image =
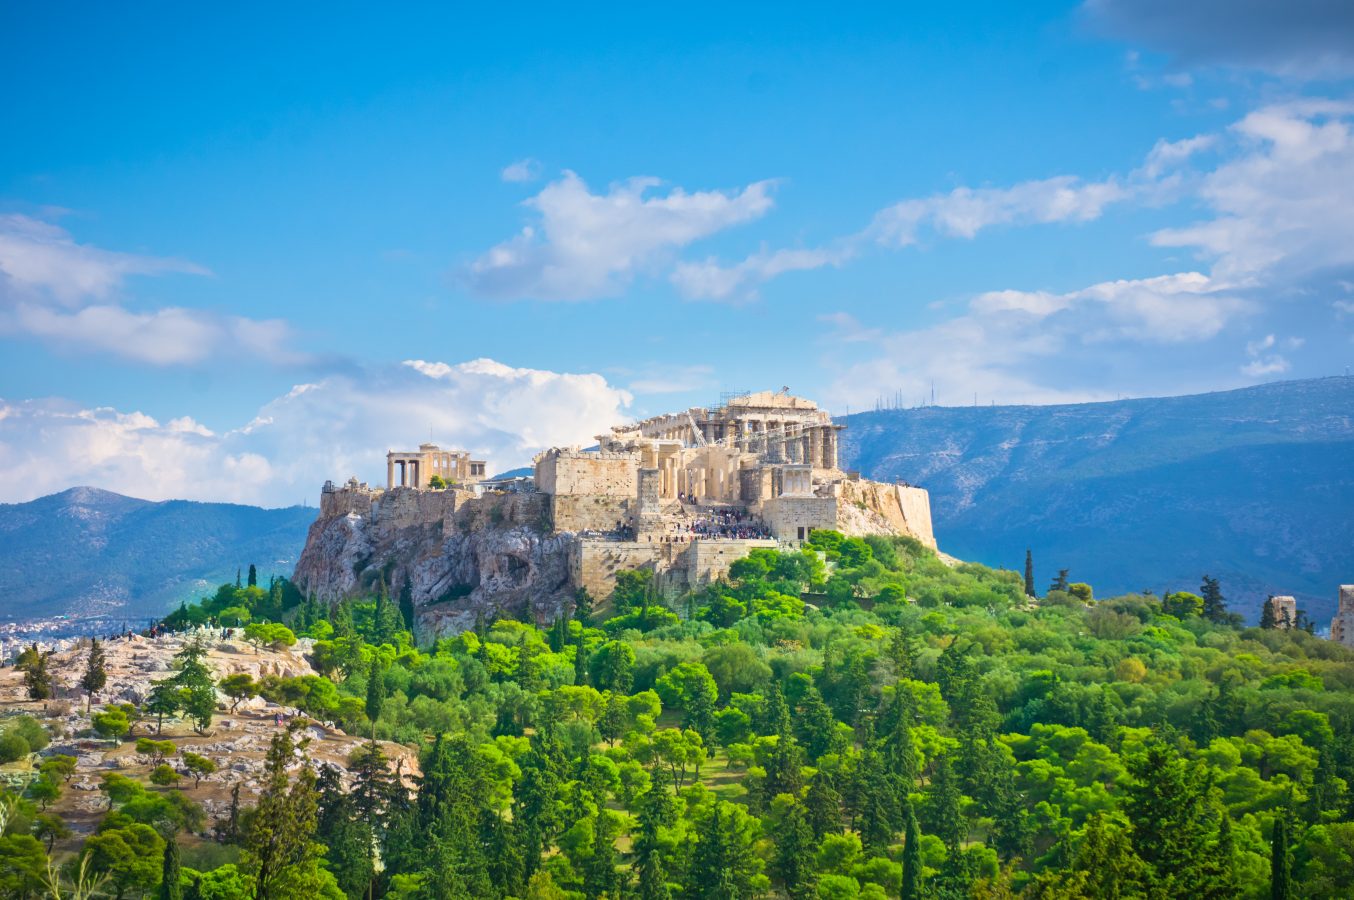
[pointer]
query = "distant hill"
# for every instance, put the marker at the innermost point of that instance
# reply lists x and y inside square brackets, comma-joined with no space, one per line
[86,551]
[1252,486]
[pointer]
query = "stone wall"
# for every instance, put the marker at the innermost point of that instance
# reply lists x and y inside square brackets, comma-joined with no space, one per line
[605,473]
[791,518]
[679,566]
[574,512]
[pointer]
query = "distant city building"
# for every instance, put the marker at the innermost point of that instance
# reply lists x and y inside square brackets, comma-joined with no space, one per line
[1342,626]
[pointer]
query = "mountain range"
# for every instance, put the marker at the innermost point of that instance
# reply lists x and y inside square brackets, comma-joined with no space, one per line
[87,551]
[1253,486]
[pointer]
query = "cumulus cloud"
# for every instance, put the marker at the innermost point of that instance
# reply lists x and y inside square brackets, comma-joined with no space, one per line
[334,428]
[1285,204]
[60,291]
[1298,38]
[588,245]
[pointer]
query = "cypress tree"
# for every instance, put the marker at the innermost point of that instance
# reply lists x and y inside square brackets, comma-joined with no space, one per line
[1029,573]
[170,888]
[95,676]
[253,576]
[1280,864]
[237,578]
[376,692]
[912,874]
[407,604]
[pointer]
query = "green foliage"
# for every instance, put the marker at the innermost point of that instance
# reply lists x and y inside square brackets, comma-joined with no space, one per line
[914,729]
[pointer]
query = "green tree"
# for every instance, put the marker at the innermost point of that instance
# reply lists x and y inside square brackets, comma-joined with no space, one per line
[1215,605]
[1029,573]
[131,856]
[111,723]
[199,766]
[912,864]
[612,667]
[95,675]
[33,662]
[1280,861]
[239,686]
[164,700]
[196,685]
[279,853]
[253,576]
[1269,617]
[653,810]
[793,863]
[600,878]
[376,691]
[170,886]
[22,866]
[1059,583]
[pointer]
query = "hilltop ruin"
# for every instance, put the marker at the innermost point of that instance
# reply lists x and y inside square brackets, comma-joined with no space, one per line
[683,494]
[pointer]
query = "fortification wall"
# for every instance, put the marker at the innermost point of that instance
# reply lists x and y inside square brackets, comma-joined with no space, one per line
[679,566]
[709,561]
[346,501]
[573,512]
[791,518]
[604,473]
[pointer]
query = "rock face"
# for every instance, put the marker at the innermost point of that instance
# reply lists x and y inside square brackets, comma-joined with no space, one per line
[458,556]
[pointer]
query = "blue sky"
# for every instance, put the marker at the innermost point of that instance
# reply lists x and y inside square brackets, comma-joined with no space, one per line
[242,253]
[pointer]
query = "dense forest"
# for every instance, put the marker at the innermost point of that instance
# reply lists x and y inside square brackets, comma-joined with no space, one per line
[857,719]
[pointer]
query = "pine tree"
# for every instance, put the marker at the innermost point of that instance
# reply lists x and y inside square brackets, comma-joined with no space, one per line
[599,873]
[912,867]
[95,676]
[876,803]
[195,685]
[1215,605]
[943,806]
[253,576]
[1269,617]
[653,810]
[1029,573]
[1059,583]
[170,886]
[1280,862]
[793,864]
[376,691]
[280,845]
[37,677]
[823,806]
[1168,804]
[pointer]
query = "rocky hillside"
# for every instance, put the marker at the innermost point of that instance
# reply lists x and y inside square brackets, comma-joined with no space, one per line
[237,740]
[86,551]
[486,556]
[1253,486]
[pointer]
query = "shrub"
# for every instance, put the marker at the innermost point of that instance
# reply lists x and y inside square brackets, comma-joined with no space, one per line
[164,775]
[12,747]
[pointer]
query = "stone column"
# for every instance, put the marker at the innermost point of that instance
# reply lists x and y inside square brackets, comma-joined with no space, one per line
[831,449]
[390,473]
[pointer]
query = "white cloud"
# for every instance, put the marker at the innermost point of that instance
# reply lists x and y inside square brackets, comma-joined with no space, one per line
[995,348]
[590,245]
[966,211]
[60,291]
[39,258]
[711,280]
[340,426]
[1284,207]
[521,171]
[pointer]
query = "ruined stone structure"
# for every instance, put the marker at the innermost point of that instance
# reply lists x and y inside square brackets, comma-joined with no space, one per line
[1285,611]
[684,495]
[1342,626]
[417,467]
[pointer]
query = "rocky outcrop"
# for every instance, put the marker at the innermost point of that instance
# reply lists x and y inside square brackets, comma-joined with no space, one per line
[463,558]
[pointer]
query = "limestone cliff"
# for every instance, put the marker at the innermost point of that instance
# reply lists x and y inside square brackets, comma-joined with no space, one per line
[459,555]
